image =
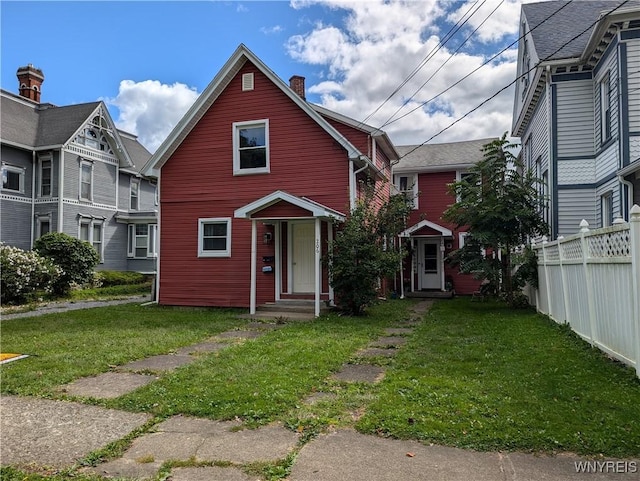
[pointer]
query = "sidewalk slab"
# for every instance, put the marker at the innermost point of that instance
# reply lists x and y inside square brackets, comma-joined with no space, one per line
[161,363]
[395,341]
[359,373]
[212,473]
[202,347]
[398,331]
[240,334]
[108,385]
[58,433]
[377,352]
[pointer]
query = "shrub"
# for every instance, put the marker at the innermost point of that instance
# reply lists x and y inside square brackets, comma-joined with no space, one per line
[121,278]
[24,273]
[76,258]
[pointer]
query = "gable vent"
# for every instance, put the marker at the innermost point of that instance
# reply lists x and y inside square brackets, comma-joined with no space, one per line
[247,81]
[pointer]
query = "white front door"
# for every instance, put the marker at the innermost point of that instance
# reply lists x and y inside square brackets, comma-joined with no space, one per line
[430,264]
[302,257]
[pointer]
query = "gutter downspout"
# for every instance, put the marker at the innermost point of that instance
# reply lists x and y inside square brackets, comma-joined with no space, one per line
[60,226]
[33,197]
[629,185]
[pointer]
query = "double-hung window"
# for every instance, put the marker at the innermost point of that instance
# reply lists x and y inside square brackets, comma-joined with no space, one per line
[251,147]
[214,237]
[407,185]
[45,177]
[86,180]
[92,232]
[605,109]
[606,209]
[142,241]
[134,194]
[13,178]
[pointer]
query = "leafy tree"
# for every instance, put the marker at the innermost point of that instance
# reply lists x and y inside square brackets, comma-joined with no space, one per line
[77,259]
[499,203]
[364,250]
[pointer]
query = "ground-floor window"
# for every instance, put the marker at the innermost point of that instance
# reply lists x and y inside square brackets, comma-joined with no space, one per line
[214,237]
[92,231]
[142,240]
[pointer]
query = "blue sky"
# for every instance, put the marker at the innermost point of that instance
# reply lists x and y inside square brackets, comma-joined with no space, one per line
[149,60]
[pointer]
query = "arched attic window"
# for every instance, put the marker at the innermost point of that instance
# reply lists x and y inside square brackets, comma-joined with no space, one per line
[93,136]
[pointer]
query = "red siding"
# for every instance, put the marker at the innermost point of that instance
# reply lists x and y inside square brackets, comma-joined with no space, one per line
[281,210]
[433,200]
[198,182]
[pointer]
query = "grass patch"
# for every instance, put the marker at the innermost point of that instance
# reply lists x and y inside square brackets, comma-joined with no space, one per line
[69,345]
[478,375]
[110,292]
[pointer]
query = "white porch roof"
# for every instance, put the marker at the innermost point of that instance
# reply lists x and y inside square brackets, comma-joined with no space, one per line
[315,208]
[425,223]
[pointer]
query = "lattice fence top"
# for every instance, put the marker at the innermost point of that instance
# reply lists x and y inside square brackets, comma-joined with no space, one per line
[610,244]
[572,249]
[552,253]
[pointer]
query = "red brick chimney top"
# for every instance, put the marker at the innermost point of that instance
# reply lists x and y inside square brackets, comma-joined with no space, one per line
[30,81]
[297,85]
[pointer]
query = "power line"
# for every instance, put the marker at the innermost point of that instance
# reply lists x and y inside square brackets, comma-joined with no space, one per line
[513,82]
[443,64]
[388,122]
[448,36]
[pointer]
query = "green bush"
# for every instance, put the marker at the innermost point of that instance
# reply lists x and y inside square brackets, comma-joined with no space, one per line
[121,278]
[23,273]
[77,259]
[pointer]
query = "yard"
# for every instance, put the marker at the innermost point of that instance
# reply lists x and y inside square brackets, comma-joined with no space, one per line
[473,375]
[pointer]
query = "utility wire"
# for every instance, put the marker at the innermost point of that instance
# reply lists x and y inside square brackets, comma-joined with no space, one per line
[443,64]
[474,70]
[513,82]
[449,35]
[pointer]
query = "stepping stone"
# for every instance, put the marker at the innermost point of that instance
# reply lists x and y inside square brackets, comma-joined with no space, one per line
[209,473]
[202,347]
[389,341]
[163,362]
[377,352]
[240,334]
[319,396]
[126,468]
[393,331]
[264,325]
[108,385]
[359,373]
[422,307]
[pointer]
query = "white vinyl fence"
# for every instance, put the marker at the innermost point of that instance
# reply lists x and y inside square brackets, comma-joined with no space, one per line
[591,280]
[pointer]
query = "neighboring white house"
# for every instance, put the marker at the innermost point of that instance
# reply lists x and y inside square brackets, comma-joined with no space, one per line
[577,108]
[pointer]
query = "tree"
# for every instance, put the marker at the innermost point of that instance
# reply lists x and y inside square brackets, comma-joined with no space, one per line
[499,204]
[364,250]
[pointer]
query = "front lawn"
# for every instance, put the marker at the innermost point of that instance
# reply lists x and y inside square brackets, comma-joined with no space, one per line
[473,375]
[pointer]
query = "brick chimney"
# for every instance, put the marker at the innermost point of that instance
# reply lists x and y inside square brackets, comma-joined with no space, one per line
[297,85]
[30,81]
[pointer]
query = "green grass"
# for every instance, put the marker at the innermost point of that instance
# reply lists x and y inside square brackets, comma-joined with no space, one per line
[69,345]
[474,375]
[479,375]
[110,292]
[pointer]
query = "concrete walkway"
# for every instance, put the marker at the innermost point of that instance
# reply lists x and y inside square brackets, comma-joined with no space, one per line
[58,434]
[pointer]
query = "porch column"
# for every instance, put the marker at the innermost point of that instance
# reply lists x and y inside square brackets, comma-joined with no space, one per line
[414,262]
[278,259]
[318,270]
[442,263]
[330,239]
[401,271]
[254,253]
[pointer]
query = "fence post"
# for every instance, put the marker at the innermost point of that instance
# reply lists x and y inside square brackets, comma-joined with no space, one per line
[584,229]
[546,277]
[634,231]
[563,276]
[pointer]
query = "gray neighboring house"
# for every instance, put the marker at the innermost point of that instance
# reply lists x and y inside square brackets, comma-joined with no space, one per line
[69,169]
[577,108]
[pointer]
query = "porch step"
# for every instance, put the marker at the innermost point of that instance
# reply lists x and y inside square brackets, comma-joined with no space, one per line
[430,294]
[292,309]
[280,315]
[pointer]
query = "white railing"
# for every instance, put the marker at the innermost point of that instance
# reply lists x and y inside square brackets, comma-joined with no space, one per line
[591,280]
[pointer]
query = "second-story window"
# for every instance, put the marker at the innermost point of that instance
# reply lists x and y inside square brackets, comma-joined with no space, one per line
[134,194]
[605,109]
[13,178]
[251,147]
[45,177]
[86,181]
[408,186]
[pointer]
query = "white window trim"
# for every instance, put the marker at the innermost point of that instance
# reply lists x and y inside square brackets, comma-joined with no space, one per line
[152,233]
[90,164]
[236,147]
[214,220]
[39,221]
[459,174]
[21,171]
[461,238]
[604,85]
[41,160]
[91,223]
[413,178]
[132,182]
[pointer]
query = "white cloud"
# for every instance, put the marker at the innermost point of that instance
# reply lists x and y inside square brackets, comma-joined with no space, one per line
[272,30]
[378,44]
[151,109]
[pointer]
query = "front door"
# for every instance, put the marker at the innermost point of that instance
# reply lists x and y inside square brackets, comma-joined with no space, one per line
[303,257]
[430,265]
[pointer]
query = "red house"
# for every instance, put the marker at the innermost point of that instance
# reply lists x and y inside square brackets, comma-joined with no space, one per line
[251,181]
[423,173]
